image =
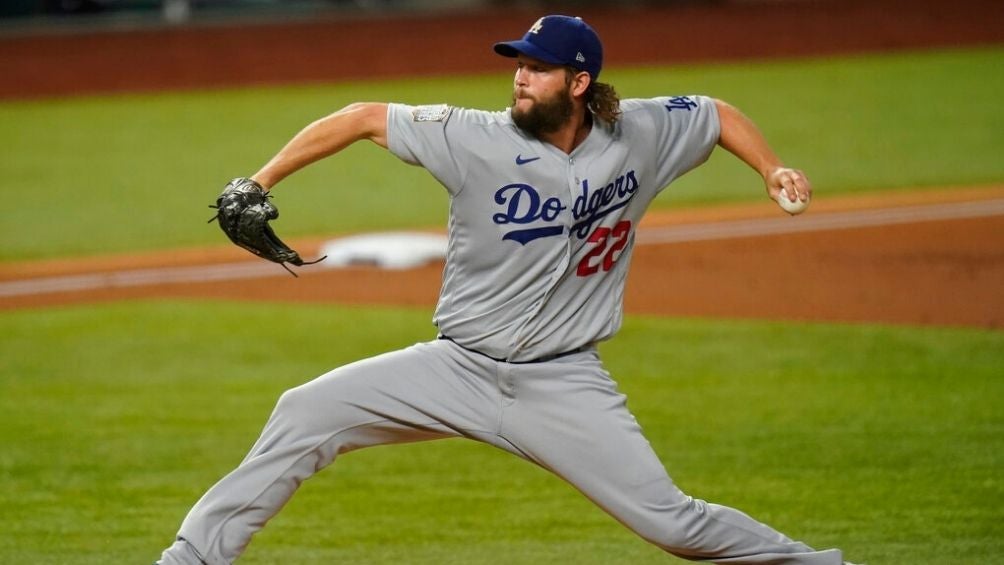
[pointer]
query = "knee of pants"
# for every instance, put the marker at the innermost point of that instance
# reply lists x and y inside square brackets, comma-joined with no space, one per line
[304,411]
[304,423]
[674,528]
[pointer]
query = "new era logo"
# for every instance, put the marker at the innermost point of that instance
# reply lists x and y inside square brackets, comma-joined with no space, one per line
[580,57]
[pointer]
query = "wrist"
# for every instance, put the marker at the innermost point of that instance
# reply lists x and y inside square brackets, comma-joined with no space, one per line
[263,180]
[770,168]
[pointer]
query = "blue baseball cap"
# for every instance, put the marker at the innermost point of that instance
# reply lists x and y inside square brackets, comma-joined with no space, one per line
[559,40]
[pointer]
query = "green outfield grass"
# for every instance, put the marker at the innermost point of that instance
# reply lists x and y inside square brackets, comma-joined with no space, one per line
[110,174]
[114,419]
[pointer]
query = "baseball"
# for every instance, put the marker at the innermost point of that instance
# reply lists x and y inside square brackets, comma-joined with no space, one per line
[796,207]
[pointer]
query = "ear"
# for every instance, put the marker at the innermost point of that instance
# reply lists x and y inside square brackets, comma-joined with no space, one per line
[580,82]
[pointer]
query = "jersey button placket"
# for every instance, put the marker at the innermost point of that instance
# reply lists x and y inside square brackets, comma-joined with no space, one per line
[519,343]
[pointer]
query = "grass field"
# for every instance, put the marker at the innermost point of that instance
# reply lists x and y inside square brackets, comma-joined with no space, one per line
[120,173]
[886,441]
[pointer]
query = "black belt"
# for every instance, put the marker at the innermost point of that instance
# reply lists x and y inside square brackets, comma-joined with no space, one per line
[543,359]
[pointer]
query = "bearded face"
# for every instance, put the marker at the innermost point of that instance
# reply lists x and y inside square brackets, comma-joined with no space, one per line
[544,115]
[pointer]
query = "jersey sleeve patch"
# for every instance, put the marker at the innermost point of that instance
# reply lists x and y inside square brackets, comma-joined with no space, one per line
[432,113]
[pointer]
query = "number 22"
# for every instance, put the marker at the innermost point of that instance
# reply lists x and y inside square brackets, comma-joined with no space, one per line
[591,263]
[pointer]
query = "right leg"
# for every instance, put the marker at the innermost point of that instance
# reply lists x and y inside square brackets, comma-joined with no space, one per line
[415,394]
[568,417]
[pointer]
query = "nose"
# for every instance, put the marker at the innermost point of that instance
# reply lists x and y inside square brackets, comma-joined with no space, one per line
[520,78]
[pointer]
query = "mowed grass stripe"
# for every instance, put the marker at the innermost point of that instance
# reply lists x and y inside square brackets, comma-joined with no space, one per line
[121,173]
[886,441]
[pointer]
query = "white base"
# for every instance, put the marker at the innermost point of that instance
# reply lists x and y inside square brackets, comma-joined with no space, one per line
[392,250]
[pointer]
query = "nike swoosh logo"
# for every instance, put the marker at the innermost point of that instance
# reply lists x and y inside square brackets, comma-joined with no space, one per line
[521,161]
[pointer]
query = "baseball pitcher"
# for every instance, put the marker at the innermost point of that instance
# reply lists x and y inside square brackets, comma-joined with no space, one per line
[545,200]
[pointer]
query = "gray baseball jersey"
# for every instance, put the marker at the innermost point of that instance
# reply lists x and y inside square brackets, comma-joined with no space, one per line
[541,240]
[539,248]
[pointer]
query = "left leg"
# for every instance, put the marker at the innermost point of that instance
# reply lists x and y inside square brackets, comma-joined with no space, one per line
[424,392]
[568,417]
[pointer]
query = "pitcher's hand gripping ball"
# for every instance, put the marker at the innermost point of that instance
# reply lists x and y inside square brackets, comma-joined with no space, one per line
[244,212]
[796,207]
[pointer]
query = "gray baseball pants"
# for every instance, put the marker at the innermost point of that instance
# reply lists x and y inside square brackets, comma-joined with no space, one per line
[565,415]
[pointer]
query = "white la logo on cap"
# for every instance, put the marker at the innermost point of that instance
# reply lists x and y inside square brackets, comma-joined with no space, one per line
[536,26]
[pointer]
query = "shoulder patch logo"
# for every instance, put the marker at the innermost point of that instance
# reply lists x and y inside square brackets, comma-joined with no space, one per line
[680,103]
[432,113]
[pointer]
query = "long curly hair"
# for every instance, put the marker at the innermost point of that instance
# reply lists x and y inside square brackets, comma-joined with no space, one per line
[601,98]
[603,101]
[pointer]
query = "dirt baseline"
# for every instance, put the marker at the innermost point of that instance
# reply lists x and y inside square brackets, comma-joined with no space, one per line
[878,265]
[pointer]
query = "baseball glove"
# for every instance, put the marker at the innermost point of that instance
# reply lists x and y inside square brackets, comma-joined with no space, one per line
[244,212]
